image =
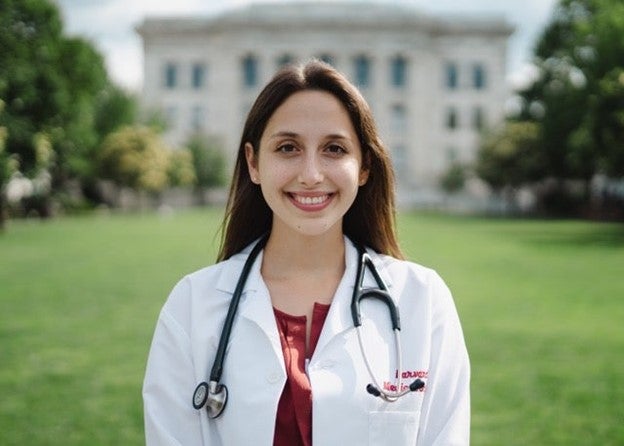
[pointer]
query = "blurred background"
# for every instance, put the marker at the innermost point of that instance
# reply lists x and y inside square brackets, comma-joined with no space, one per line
[119,122]
[497,107]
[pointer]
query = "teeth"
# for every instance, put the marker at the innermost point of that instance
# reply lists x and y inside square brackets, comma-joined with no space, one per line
[311,200]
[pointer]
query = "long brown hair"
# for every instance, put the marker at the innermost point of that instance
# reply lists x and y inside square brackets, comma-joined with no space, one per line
[371,219]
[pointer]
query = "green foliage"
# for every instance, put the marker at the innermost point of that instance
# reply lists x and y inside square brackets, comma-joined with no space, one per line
[8,165]
[8,162]
[56,86]
[209,161]
[155,119]
[30,38]
[454,178]
[114,108]
[135,157]
[511,156]
[580,56]
[610,113]
[181,171]
[576,102]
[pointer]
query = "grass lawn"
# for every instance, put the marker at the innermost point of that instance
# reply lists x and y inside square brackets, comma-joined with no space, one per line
[541,302]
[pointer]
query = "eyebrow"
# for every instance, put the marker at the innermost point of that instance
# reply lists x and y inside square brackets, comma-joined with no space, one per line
[289,134]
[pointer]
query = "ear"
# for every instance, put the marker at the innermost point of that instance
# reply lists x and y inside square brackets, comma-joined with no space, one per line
[364,170]
[363,176]
[252,163]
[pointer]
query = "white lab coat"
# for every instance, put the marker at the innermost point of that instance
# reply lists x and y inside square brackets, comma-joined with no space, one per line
[188,330]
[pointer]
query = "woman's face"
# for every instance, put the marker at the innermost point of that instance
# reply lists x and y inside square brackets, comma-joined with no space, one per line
[309,164]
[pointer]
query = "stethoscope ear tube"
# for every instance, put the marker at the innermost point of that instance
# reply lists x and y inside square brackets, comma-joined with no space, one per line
[381,293]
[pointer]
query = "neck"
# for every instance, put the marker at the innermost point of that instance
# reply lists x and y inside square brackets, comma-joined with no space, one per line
[286,254]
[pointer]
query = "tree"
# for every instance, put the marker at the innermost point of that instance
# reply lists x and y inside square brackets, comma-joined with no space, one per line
[454,179]
[576,100]
[181,171]
[8,166]
[114,108]
[608,122]
[580,55]
[511,156]
[135,157]
[57,86]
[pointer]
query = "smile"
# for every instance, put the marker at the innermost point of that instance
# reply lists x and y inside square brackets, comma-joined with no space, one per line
[310,201]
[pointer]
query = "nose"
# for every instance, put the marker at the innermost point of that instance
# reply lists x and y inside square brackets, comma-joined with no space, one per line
[311,170]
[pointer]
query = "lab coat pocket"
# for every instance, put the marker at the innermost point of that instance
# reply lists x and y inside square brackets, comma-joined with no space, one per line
[393,428]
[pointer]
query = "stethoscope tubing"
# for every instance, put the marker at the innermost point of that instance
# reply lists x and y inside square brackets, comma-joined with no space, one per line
[381,293]
[213,395]
[217,367]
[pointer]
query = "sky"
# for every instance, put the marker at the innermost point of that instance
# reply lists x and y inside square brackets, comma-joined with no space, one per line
[110,25]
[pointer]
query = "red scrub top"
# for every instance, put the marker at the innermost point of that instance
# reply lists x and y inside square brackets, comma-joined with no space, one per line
[293,425]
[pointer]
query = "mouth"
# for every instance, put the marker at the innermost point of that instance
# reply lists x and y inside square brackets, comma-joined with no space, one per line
[310,202]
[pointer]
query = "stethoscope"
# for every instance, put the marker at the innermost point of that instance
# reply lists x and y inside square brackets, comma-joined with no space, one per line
[214,395]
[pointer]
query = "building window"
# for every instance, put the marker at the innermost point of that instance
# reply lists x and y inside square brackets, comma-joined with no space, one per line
[285,59]
[478,77]
[398,71]
[478,118]
[171,75]
[452,76]
[362,67]
[452,119]
[250,71]
[327,58]
[398,118]
[197,118]
[198,75]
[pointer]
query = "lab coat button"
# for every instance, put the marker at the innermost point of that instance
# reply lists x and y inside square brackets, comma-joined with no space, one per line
[274,377]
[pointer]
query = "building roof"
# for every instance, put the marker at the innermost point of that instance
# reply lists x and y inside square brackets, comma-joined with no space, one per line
[316,14]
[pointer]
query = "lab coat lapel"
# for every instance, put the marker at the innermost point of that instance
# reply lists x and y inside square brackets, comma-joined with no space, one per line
[255,304]
[256,308]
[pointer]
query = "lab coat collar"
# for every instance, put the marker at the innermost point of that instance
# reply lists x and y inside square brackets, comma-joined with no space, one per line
[232,269]
[234,266]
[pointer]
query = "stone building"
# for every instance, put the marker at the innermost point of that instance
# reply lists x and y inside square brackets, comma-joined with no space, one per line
[433,82]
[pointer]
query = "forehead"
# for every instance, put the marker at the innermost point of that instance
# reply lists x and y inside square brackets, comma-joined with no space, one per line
[311,111]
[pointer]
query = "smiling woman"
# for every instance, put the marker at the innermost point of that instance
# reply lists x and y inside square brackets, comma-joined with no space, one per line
[309,234]
[309,157]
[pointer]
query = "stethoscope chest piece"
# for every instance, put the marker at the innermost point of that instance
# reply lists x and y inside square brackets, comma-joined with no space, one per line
[211,395]
[200,396]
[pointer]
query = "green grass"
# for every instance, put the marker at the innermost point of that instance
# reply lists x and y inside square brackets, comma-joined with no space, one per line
[541,302]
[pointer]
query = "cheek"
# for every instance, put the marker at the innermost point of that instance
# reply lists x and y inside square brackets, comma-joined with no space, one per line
[273,173]
[349,173]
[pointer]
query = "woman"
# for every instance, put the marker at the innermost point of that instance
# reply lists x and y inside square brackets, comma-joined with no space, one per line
[313,182]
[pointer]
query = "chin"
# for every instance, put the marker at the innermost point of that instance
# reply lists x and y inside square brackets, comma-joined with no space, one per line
[315,229]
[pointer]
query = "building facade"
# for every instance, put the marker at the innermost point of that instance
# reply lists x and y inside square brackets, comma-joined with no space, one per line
[434,83]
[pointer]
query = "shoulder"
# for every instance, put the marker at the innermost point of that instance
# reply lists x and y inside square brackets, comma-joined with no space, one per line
[413,283]
[202,290]
[405,270]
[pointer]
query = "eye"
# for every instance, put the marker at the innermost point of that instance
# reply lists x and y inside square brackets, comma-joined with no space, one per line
[286,148]
[335,149]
